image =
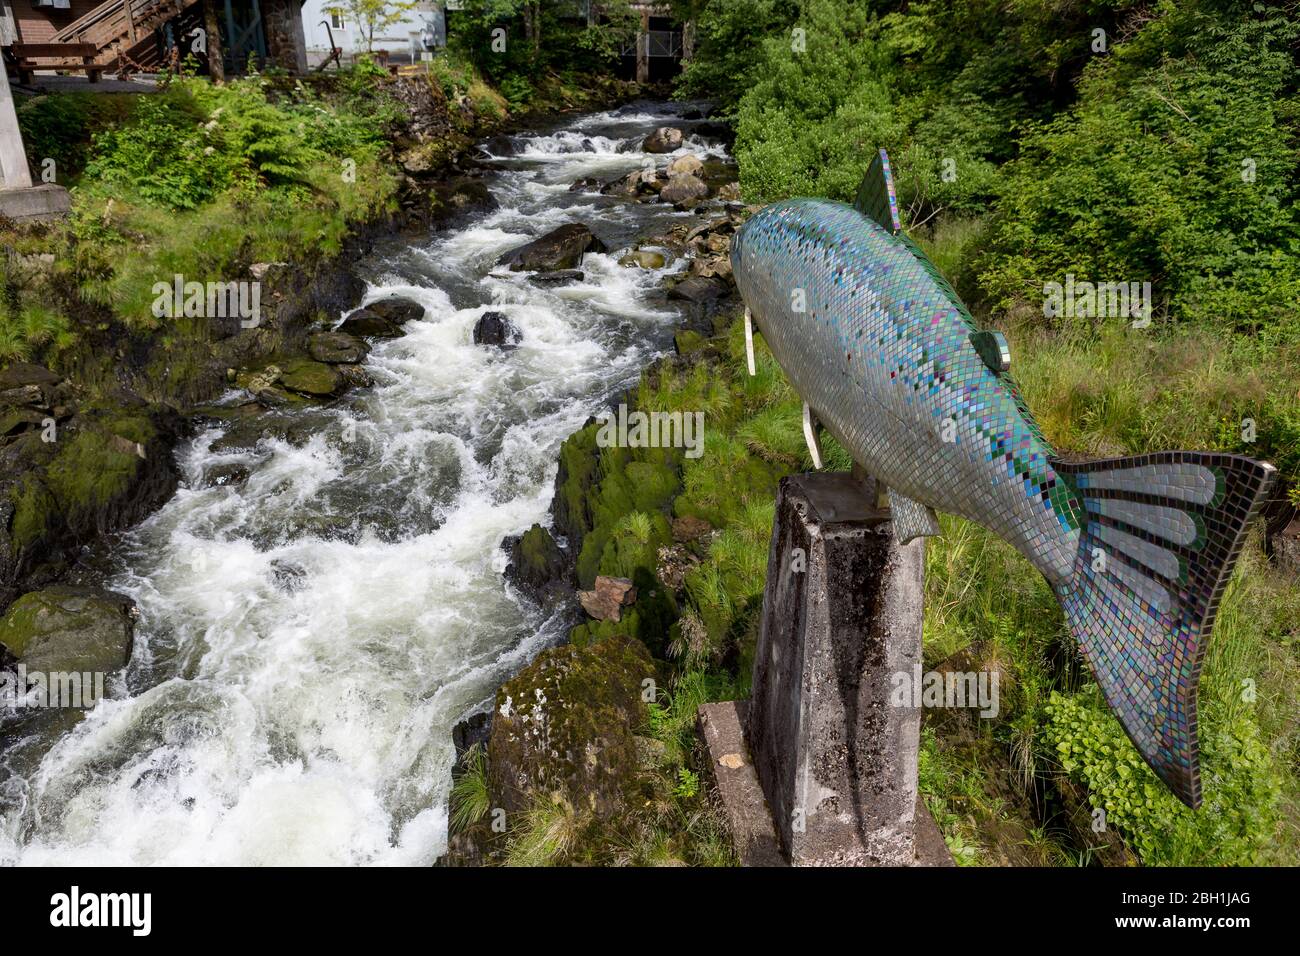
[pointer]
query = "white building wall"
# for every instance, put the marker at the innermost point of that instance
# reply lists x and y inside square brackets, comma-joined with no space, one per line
[398,37]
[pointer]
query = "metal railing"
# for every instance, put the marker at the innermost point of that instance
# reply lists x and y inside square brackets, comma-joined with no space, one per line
[658,43]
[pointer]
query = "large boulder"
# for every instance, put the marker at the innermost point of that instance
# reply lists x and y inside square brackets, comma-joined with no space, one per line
[493,328]
[397,309]
[684,188]
[663,140]
[307,377]
[383,318]
[564,729]
[336,348]
[368,324]
[688,165]
[560,248]
[66,628]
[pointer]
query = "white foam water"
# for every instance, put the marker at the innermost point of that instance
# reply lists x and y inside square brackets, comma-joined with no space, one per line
[308,638]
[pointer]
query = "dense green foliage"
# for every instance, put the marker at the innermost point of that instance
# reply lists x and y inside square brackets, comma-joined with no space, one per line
[1169,157]
[516,43]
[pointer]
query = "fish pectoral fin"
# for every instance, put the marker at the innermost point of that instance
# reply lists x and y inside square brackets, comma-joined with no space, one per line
[911,518]
[810,435]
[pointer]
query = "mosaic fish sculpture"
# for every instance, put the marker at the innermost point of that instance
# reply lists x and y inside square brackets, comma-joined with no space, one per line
[889,361]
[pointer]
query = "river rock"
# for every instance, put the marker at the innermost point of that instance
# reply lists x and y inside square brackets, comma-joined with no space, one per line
[364,322]
[606,600]
[501,145]
[683,189]
[355,376]
[698,289]
[536,561]
[460,195]
[15,420]
[564,729]
[472,730]
[689,528]
[559,277]
[219,476]
[397,309]
[688,165]
[307,377]
[715,267]
[336,348]
[493,328]
[259,380]
[663,140]
[644,259]
[18,374]
[66,628]
[560,248]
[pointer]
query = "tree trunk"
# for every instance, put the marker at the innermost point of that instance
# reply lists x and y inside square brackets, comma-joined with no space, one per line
[216,58]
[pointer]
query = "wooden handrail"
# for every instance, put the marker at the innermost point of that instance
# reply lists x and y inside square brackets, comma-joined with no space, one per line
[114,19]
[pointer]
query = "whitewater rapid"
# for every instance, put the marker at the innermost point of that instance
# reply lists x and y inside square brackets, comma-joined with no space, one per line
[308,638]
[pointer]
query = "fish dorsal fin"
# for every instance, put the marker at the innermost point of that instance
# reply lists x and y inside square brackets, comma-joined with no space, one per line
[876,196]
[993,350]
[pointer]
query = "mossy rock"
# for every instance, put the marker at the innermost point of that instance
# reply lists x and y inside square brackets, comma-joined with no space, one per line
[69,629]
[565,726]
[336,348]
[573,482]
[308,377]
[685,341]
[653,486]
[536,561]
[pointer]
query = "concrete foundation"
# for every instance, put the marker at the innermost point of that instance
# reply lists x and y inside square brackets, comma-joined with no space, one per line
[837,761]
[34,202]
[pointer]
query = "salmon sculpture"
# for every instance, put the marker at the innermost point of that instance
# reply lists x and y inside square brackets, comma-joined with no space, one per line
[889,361]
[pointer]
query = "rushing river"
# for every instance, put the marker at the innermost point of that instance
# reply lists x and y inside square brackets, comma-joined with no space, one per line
[308,638]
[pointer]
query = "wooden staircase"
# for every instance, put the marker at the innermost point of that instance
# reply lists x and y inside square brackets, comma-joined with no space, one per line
[122,32]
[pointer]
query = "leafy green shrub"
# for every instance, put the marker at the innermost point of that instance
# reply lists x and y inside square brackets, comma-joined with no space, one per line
[164,153]
[1234,825]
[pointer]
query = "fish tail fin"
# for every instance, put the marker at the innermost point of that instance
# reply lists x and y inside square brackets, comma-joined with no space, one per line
[1160,534]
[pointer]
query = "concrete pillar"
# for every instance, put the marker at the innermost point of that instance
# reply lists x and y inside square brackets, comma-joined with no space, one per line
[8,26]
[13,160]
[836,758]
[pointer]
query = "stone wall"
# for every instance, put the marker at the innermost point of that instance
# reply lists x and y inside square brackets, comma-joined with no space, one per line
[286,47]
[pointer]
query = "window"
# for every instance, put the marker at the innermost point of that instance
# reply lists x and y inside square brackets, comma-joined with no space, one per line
[336,20]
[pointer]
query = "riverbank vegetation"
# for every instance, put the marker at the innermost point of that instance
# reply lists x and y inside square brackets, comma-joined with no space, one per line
[196,180]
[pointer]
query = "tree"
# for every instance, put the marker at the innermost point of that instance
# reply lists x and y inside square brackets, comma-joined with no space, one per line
[372,15]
